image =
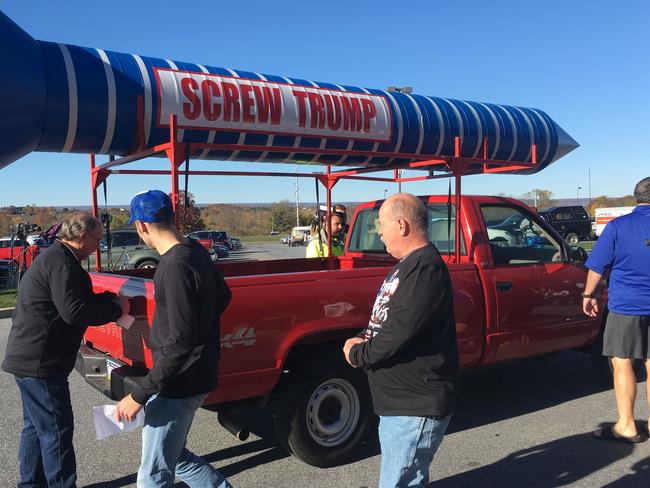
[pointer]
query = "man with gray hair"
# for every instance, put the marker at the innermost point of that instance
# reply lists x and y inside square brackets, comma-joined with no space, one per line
[409,347]
[623,250]
[55,305]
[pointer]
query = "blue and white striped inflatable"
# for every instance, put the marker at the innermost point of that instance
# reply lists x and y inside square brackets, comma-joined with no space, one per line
[64,98]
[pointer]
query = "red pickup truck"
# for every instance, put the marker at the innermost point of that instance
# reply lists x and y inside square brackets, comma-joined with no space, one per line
[517,290]
[20,253]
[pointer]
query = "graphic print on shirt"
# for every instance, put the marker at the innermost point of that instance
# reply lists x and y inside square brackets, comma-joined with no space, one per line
[382,305]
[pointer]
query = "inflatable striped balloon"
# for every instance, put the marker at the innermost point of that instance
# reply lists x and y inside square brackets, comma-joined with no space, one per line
[66,98]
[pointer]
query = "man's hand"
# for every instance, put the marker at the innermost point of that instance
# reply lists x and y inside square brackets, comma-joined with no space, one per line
[348,345]
[590,307]
[123,303]
[127,409]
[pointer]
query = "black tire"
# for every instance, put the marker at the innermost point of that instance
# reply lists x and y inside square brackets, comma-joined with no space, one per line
[323,416]
[572,238]
[147,263]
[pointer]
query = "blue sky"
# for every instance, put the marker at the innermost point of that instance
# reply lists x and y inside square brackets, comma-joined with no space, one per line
[585,63]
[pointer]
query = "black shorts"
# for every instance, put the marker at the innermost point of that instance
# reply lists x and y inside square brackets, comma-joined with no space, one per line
[626,336]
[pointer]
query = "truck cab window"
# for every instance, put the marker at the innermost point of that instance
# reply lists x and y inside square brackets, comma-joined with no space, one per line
[563,216]
[365,238]
[517,238]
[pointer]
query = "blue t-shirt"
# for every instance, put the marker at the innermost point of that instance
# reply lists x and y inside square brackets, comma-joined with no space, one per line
[624,246]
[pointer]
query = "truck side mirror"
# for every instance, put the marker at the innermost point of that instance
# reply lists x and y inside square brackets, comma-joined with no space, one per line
[577,254]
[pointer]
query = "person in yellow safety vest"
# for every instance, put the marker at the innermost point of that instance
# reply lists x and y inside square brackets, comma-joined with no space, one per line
[317,247]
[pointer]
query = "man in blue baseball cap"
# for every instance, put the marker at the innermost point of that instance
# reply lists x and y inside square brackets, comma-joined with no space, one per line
[151,206]
[190,296]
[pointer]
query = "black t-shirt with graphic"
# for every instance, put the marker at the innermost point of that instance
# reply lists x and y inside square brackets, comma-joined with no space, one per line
[410,351]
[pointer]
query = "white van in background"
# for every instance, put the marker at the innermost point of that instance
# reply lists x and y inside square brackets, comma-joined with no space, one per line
[605,214]
[300,235]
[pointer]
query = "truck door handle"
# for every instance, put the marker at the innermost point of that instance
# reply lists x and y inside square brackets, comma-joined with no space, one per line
[504,285]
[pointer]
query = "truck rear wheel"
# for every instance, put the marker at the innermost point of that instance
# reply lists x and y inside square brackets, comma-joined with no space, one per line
[324,416]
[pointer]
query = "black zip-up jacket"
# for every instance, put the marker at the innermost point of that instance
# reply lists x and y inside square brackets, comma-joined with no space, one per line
[410,351]
[185,340]
[55,305]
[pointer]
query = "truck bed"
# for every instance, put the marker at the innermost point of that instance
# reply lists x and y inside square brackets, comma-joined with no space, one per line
[278,306]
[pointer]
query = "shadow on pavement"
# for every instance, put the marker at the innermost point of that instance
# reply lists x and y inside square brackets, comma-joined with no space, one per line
[486,396]
[639,477]
[266,452]
[553,464]
[515,389]
[263,452]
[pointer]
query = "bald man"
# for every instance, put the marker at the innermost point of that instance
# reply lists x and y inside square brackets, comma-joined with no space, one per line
[409,347]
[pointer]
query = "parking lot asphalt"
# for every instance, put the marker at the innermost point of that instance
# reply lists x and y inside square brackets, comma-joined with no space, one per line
[524,424]
[266,250]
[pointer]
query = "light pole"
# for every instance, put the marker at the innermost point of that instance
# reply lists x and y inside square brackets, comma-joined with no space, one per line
[297,200]
[589,211]
[578,195]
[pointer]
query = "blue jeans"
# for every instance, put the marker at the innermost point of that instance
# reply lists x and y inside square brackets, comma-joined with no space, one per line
[408,445]
[46,454]
[167,422]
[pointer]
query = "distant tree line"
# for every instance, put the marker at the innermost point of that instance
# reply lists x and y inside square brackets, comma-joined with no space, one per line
[243,220]
[543,199]
[246,220]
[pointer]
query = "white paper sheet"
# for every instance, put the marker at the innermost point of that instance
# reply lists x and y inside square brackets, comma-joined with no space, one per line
[106,425]
[125,321]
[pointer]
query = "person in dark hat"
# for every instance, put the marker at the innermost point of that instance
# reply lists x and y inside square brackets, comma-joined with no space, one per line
[190,295]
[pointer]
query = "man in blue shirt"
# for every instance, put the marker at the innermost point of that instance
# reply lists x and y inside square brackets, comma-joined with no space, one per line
[624,250]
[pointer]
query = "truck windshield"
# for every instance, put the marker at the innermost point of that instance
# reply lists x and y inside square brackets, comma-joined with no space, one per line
[365,238]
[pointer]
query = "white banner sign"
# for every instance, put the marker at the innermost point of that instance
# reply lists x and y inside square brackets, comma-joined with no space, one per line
[214,102]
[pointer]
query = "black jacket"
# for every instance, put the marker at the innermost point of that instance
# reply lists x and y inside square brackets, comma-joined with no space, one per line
[55,304]
[410,351]
[185,340]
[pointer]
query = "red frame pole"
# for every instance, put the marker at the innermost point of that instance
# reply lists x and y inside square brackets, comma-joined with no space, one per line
[95,206]
[457,189]
[329,212]
[175,196]
[175,158]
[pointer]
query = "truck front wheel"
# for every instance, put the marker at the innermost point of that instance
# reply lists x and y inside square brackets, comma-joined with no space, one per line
[324,416]
[147,263]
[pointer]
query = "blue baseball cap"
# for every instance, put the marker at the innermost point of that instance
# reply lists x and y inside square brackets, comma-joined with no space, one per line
[151,206]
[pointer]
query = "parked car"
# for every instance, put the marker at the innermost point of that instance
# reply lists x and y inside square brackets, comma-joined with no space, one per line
[572,222]
[604,215]
[4,273]
[127,251]
[219,250]
[300,235]
[22,252]
[218,237]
